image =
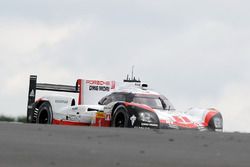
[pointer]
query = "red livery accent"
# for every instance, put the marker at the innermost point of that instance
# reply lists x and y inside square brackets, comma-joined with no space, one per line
[79,83]
[183,122]
[209,116]
[112,84]
[177,119]
[101,122]
[186,119]
[183,125]
[64,122]
[139,105]
[163,121]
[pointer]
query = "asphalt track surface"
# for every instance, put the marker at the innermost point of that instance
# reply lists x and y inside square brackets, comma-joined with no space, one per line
[23,145]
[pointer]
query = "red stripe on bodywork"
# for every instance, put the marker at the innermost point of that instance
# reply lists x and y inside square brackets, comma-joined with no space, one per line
[64,122]
[186,119]
[177,119]
[139,105]
[163,121]
[190,125]
[79,83]
[112,84]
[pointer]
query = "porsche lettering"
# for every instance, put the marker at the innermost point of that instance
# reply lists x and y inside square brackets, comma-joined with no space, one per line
[96,82]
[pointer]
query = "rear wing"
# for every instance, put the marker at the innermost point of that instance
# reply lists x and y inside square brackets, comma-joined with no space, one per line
[34,86]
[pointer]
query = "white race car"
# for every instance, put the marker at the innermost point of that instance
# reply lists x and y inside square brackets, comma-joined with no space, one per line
[114,104]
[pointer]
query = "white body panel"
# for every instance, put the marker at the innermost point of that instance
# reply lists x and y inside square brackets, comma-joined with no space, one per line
[93,90]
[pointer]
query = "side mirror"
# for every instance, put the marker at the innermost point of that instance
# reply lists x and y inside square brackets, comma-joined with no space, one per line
[102,101]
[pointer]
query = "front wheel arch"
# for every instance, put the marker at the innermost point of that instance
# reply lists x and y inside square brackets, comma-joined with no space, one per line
[212,123]
[120,117]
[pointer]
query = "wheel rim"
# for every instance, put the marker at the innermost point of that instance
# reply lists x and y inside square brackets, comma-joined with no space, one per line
[44,117]
[120,120]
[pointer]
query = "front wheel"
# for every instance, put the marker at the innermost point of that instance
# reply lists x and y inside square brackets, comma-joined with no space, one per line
[44,114]
[120,118]
[216,123]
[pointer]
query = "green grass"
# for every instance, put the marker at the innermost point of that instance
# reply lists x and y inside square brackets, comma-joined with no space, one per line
[12,119]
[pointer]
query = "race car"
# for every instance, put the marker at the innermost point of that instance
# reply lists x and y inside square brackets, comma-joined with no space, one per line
[113,104]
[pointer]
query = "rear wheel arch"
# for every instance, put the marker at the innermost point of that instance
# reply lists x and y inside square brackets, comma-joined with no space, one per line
[39,103]
[44,113]
[36,106]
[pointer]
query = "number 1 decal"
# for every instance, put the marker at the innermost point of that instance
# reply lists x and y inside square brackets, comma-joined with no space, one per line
[181,119]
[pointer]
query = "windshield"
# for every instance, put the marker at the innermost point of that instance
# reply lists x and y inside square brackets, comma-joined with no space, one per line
[154,102]
[168,105]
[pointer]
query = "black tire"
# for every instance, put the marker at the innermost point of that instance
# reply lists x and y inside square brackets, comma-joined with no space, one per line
[44,114]
[120,117]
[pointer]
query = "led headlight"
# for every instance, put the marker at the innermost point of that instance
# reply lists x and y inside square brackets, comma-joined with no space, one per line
[146,117]
[218,123]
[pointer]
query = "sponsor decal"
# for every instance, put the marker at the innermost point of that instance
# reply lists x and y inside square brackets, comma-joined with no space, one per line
[61,101]
[107,117]
[32,93]
[107,107]
[100,115]
[179,121]
[93,88]
[104,86]
[149,124]
[133,119]
[96,82]
[73,118]
[99,88]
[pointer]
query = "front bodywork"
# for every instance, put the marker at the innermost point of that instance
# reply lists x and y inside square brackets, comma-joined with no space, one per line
[195,118]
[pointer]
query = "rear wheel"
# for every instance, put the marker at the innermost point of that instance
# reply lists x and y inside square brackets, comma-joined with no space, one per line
[120,118]
[44,114]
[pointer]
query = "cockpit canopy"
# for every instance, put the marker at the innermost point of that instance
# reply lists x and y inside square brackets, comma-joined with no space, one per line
[152,100]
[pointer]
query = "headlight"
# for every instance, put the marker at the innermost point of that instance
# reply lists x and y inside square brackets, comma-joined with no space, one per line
[218,123]
[146,117]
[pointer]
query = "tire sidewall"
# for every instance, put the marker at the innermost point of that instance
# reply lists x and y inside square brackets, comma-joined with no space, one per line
[45,106]
[120,110]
